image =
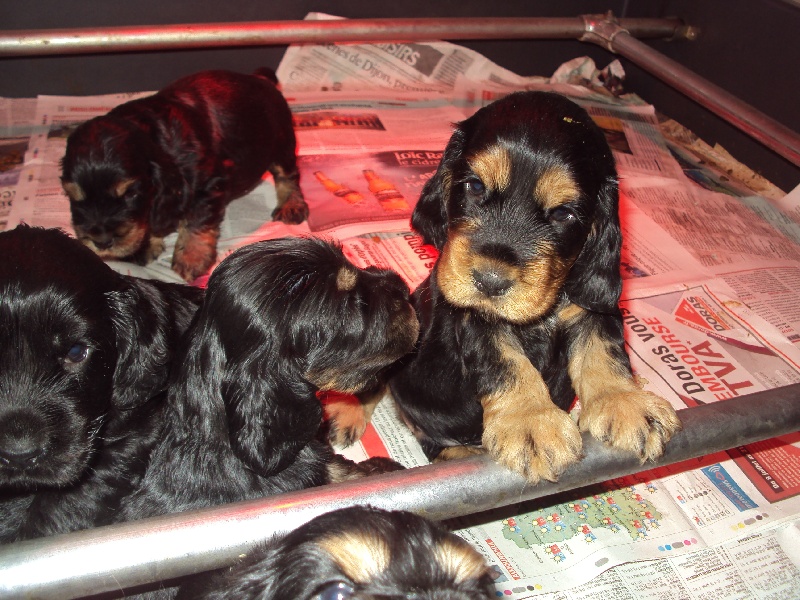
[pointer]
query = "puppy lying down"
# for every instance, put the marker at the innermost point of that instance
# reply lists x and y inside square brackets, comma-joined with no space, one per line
[173,161]
[356,553]
[282,320]
[84,358]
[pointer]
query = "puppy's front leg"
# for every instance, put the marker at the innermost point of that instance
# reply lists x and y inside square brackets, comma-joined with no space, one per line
[614,408]
[195,250]
[522,428]
[291,207]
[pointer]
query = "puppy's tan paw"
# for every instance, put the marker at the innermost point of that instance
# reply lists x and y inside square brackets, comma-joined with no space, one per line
[195,252]
[538,447]
[456,452]
[154,249]
[294,210]
[348,421]
[635,421]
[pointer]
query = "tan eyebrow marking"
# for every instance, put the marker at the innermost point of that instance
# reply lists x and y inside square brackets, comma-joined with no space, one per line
[74,191]
[361,557]
[556,187]
[493,166]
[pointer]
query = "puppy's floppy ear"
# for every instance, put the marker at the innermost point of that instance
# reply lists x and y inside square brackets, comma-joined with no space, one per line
[272,415]
[430,214]
[143,353]
[594,282]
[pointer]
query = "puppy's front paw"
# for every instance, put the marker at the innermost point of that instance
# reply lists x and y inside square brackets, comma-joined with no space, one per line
[195,252]
[293,211]
[538,447]
[348,421]
[635,421]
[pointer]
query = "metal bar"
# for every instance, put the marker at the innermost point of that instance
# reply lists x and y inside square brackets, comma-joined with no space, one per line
[129,554]
[774,135]
[267,33]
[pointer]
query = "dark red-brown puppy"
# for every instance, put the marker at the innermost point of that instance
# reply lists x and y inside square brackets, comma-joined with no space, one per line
[520,313]
[173,161]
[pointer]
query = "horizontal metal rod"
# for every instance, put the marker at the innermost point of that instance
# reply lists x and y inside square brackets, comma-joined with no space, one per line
[766,130]
[267,33]
[129,554]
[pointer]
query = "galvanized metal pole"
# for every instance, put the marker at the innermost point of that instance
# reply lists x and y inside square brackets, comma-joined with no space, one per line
[121,556]
[606,32]
[265,33]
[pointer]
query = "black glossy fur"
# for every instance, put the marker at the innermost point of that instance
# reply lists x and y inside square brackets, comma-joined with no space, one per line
[282,319]
[85,354]
[520,312]
[356,553]
[173,161]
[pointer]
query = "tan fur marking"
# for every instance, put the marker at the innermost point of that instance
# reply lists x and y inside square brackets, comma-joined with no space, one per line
[570,312]
[349,417]
[74,191]
[122,247]
[195,251]
[522,428]
[614,409]
[459,560]
[346,279]
[555,187]
[493,166]
[122,187]
[456,452]
[359,556]
[535,289]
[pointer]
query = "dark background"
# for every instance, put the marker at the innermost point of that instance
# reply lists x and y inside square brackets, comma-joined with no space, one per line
[747,47]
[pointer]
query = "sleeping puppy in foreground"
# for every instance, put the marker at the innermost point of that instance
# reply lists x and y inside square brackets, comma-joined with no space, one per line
[282,320]
[520,312]
[85,355]
[355,553]
[173,161]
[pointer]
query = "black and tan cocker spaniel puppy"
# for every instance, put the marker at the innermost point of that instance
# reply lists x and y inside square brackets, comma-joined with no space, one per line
[84,357]
[356,553]
[282,320]
[520,312]
[173,161]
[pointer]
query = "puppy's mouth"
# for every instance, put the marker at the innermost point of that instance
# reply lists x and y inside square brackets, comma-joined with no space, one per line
[517,293]
[125,242]
[33,454]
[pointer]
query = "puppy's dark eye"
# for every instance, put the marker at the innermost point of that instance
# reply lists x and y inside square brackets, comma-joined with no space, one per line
[335,591]
[474,187]
[561,214]
[77,354]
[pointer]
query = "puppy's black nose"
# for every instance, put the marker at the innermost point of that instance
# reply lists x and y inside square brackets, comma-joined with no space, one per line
[491,282]
[103,243]
[18,451]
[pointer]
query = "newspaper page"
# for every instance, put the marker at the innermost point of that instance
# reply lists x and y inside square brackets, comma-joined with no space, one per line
[400,66]
[17,118]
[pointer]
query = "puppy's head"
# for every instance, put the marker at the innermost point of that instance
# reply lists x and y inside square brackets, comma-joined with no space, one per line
[110,174]
[281,320]
[358,553]
[523,208]
[72,355]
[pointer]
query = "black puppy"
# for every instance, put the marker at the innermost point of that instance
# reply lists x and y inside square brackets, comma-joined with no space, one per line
[355,553]
[282,319]
[174,160]
[520,312]
[85,353]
